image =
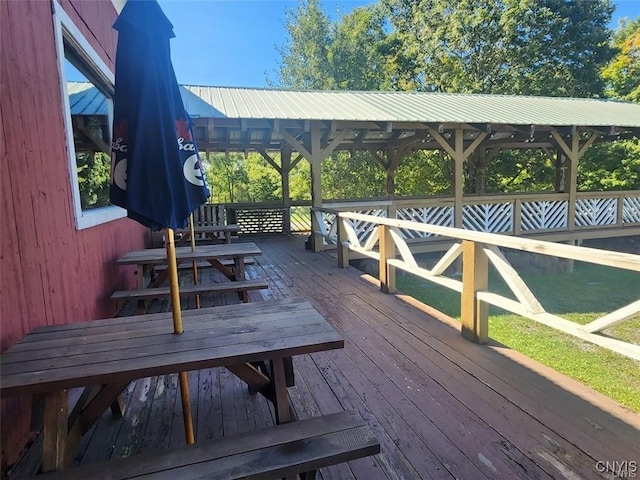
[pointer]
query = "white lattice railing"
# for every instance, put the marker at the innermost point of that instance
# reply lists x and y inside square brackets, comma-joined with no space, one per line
[631,210]
[596,211]
[506,214]
[387,244]
[326,224]
[437,215]
[488,217]
[543,215]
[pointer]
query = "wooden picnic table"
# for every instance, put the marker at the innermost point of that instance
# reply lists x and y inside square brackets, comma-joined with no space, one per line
[215,233]
[145,260]
[103,356]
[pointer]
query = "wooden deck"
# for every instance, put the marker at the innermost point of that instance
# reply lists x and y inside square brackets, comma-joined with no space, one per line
[440,406]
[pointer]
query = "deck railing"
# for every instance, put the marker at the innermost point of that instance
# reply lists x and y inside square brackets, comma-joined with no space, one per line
[258,218]
[540,214]
[385,242]
[522,214]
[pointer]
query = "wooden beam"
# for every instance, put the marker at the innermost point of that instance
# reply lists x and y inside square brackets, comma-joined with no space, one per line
[269,160]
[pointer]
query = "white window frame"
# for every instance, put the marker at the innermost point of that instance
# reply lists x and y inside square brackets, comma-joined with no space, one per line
[64,27]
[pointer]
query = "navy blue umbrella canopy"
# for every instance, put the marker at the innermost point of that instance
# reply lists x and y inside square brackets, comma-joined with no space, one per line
[156,171]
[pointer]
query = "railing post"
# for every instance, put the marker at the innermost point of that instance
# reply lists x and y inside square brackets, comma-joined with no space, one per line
[387,250]
[517,217]
[316,238]
[343,251]
[475,277]
[620,210]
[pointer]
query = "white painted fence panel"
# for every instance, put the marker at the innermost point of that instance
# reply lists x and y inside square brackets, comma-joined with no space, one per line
[544,215]
[596,211]
[442,216]
[491,217]
[631,210]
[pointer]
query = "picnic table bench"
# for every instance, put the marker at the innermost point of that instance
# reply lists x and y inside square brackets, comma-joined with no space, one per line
[104,356]
[293,448]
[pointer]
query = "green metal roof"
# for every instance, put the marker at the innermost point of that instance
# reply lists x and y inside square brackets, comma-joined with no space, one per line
[246,103]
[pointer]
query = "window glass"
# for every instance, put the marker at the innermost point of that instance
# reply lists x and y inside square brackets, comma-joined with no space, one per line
[91,124]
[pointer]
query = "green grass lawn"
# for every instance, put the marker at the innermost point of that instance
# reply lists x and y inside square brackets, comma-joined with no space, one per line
[587,293]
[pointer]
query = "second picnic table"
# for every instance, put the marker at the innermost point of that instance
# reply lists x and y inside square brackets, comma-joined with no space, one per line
[215,233]
[149,280]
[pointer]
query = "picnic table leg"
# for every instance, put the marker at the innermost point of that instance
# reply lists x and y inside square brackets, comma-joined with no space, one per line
[240,276]
[281,397]
[54,434]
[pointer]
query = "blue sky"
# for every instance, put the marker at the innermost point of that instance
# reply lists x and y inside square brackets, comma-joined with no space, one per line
[233,43]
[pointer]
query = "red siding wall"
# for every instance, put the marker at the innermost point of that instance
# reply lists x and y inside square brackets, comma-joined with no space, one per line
[50,272]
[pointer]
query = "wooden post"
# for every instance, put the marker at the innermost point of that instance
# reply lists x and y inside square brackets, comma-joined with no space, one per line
[316,181]
[475,277]
[573,153]
[314,152]
[285,164]
[387,251]
[458,154]
[343,252]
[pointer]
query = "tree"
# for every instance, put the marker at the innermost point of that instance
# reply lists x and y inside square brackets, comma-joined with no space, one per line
[93,169]
[610,166]
[358,52]
[622,75]
[350,54]
[304,62]
[226,177]
[424,173]
[536,47]
[352,176]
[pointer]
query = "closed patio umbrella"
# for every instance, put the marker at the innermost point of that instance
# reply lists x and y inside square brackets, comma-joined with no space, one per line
[156,174]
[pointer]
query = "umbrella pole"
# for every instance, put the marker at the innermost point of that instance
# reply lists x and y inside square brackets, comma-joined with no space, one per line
[172,266]
[195,263]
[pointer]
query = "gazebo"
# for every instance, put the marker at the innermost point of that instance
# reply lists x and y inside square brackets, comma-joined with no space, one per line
[389,125]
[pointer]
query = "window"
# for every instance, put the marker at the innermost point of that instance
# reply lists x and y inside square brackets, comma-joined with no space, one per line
[87,92]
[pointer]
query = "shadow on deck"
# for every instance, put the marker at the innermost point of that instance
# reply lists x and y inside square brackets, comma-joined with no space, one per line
[440,406]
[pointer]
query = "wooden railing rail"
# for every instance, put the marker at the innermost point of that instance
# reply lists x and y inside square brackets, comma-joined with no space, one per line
[478,251]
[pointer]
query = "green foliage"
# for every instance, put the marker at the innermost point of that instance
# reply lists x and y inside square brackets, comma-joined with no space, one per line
[358,51]
[610,166]
[349,55]
[623,73]
[300,181]
[234,178]
[515,171]
[424,173]
[304,57]
[352,176]
[94,170]
[534,47]
[226,177]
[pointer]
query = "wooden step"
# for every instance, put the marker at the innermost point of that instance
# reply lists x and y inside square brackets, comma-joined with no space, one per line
[281,451]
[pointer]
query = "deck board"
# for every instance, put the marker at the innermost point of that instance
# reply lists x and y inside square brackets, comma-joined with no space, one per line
[441,407]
